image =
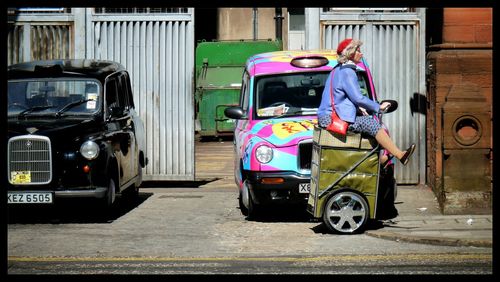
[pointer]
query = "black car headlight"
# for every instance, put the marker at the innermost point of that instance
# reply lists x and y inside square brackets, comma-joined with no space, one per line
[89,150]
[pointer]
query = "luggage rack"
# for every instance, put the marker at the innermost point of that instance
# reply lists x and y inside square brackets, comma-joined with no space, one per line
[343,162]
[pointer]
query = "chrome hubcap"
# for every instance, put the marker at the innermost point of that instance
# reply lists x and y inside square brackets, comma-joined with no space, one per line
[346,212]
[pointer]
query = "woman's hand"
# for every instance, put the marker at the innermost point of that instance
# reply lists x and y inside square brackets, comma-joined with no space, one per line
[363,111]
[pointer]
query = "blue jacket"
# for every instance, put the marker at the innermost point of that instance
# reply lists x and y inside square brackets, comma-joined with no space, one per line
[346,93]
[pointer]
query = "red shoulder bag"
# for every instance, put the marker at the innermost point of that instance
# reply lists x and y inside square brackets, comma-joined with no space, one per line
[337,125]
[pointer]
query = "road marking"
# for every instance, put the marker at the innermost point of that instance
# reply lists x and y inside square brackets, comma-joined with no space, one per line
[377,258]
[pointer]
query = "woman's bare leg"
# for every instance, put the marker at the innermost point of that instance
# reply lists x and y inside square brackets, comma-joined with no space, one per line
[385,141]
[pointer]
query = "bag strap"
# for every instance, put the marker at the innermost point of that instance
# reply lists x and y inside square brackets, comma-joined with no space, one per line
[331,87]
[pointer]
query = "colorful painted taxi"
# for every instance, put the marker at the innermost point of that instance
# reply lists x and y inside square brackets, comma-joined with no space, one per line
[280,94]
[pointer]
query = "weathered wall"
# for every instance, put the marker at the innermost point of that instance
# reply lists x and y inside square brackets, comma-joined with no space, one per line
[460,87]
[238,23]
[467,25]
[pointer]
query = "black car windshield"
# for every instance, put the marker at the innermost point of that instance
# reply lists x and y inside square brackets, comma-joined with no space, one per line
[53,96]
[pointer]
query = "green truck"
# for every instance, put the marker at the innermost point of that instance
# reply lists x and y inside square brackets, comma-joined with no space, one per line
[219,68]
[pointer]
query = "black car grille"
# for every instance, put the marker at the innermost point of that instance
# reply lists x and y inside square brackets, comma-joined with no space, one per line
[305,155]
[29,160]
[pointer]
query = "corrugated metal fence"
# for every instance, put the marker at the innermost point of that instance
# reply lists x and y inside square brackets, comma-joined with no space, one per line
[56,38]
[158,51]
[392,48]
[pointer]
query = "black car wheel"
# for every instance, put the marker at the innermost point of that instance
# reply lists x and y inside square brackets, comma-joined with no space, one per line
[109,199]
[133,191]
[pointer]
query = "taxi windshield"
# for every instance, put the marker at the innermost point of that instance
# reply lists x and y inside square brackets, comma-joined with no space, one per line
[49,96]
[296,94]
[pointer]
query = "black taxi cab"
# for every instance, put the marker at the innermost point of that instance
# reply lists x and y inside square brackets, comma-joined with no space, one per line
[73,132]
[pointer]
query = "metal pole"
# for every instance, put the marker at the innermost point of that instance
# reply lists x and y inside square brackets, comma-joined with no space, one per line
[255,23]
[279,25]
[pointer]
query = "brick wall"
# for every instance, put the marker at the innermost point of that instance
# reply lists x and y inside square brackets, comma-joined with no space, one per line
[467,25]
[463,58]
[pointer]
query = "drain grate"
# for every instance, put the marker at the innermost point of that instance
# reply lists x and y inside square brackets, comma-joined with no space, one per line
[181,196]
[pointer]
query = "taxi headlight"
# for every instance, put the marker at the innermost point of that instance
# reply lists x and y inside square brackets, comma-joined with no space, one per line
[89,150]
[264,154]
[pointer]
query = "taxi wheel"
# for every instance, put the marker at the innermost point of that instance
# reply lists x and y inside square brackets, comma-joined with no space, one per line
[133,191]
[138,183]
[243,209]
[346,212]
[109,199]
[247,206]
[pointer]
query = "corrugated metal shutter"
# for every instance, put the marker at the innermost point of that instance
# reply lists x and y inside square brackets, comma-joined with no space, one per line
[14,44]
[157,48]
[34,41]
[50,41]
[158,52]
[392,51]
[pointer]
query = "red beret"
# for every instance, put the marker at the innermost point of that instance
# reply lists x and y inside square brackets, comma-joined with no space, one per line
[343,45]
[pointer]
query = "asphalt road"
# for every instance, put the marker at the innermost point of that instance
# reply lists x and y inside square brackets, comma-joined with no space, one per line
[341,264]
[179,230]
[197,228]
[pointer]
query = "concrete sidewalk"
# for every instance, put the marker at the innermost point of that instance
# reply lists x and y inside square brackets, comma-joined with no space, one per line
[420,221]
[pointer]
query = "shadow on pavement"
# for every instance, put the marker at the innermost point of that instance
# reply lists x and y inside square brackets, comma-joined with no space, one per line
[74,211]
[370,225]
[281,213]
[177,184]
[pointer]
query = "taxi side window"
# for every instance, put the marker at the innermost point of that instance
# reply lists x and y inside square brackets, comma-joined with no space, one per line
[124,92]
[128,89]
[113,105]
[245,93]
[363,85]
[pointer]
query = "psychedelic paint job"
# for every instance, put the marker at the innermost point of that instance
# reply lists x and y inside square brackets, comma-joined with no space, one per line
[282,134]
[279,62]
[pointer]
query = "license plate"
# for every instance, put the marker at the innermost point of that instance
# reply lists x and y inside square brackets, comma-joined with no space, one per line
[29,198]
[304,188]
[20,177]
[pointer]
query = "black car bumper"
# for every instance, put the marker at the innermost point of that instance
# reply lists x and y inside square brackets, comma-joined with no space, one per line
[263,191]
[98,192]
[21,196]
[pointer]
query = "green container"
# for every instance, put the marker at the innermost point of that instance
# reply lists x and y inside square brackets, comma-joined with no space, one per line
[219,69]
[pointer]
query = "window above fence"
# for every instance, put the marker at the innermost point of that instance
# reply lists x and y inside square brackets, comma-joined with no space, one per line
[38,10]
[141,10]
[101,11]
[368,10]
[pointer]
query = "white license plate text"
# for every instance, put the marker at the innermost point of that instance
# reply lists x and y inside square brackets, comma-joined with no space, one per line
[29,198]
[304,187]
